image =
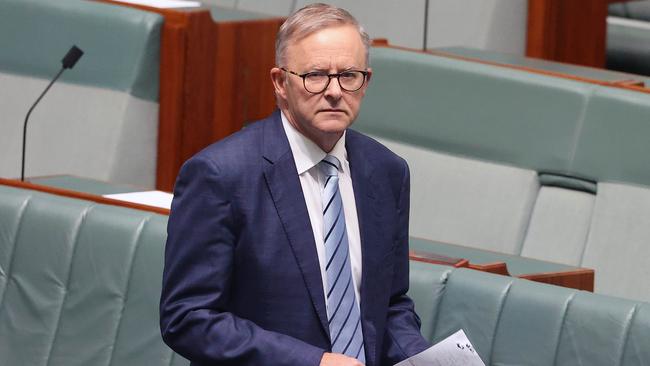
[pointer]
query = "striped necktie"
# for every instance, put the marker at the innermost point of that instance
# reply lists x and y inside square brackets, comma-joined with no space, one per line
[342,310]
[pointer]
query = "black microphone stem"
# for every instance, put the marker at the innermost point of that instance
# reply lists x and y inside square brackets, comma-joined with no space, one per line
[22,168]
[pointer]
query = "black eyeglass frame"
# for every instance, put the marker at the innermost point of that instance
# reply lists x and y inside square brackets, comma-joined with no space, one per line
[329,79]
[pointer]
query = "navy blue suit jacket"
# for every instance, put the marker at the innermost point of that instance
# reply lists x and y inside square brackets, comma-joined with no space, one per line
[242,284]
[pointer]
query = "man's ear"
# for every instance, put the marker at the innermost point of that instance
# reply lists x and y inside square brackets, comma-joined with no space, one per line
[369,70]
[278,78]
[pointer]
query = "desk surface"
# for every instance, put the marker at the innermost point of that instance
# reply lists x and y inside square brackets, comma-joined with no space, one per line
[85,185]
[516,266]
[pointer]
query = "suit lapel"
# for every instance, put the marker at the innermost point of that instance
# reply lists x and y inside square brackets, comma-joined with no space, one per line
[284,185]
[368,212]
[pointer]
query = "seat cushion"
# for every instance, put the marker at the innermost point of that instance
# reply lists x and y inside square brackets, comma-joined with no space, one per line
[80,130]
[618,245]
[467,202]
[559,225]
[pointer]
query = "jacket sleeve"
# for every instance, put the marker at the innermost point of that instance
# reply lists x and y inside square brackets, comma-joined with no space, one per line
[199,257]
[402,338]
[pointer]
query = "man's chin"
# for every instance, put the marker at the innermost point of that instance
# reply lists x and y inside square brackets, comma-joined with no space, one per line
[333,123]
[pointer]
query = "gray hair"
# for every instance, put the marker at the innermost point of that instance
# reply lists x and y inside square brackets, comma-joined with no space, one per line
[311,19]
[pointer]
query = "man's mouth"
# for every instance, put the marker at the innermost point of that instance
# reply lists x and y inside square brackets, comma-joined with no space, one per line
[332,110]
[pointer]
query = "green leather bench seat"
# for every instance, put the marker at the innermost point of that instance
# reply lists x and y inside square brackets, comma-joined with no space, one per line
[84,185]
[100,120]
[518,322]
[520,163]
[637,9]
[541,65]
[79,283]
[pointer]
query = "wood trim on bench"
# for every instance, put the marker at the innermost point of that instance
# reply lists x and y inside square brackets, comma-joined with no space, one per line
[581,279]
[81,196]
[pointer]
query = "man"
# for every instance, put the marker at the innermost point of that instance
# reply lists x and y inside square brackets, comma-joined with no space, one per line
[288,240]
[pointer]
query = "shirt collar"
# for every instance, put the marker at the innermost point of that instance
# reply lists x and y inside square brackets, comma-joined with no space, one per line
[306,153]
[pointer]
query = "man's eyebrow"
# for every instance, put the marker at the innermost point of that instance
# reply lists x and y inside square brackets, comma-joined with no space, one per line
[316,68]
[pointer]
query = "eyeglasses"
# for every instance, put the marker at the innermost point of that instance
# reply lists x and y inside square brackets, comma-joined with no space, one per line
[316,82]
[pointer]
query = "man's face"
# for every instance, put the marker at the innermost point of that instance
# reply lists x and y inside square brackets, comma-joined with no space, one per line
[324,116]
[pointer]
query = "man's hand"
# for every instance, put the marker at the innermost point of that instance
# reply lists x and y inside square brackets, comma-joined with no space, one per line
[337,359]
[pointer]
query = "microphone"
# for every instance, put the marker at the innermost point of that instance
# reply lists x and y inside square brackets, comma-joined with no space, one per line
[68,62]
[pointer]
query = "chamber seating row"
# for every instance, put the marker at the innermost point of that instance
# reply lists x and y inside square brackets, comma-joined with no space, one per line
[520,163]
[518,322]
[496,25]
[79,282]
[153,87]
[100,119]
[80,285]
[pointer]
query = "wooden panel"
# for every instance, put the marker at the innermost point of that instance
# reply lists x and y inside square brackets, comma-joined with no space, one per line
[170,115]
[569,31]
[214,77]
[580,279]
[198,91]
[256,51]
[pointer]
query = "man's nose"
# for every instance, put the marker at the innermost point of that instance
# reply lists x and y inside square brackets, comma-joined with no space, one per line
[333,90]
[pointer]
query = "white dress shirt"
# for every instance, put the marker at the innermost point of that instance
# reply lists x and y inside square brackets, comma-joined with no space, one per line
[307,155]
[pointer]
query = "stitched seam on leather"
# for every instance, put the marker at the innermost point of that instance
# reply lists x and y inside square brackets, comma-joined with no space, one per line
[127,287]
[529,217]
[628,328]
[577,132]
[496,327]
[445,280]
[589,231]
[559,336]
[75,243]
[172,355]
[10,266]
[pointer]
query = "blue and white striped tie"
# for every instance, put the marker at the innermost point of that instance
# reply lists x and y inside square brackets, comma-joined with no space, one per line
[342,310]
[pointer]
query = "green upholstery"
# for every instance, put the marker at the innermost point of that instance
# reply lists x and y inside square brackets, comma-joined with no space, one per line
[519,163]
[472,109]
[614,144]
[79,282]
[531,121]
[110,98]
[628,37]
[638,9]
[542,65]
[85,185]
[517,265]
[518,322]
[121,45]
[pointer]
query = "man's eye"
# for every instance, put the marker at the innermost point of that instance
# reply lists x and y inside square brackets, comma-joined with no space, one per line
[349,75]
[316,76]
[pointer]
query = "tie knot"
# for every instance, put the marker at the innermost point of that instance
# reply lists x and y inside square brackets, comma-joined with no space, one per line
[330,165]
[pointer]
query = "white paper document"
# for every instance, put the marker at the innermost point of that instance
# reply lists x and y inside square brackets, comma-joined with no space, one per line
[149,198]
[455,350]
[164,4]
